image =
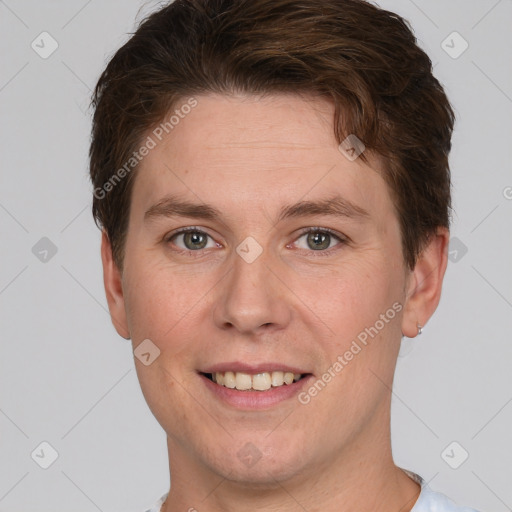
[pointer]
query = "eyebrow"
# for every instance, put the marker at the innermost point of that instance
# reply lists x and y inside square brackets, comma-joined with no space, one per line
[336,206]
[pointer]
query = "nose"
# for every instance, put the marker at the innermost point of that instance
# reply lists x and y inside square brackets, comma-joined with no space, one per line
[253,297]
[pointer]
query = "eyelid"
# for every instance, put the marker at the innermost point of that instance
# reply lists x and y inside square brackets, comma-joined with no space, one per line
[312,229]
[315,229]
[167,238]
[179,231]
[342,239]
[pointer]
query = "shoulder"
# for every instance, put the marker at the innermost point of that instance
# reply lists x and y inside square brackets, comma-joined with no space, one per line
[428,500]
[156,507]
[431,501]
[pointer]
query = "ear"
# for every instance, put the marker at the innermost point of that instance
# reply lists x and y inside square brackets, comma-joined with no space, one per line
[113,288]
[425,282]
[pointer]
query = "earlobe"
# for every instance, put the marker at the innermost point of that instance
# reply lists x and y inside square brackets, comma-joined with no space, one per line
[425,284]
[113,288]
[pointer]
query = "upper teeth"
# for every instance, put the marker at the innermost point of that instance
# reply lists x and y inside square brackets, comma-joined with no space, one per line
[259,382]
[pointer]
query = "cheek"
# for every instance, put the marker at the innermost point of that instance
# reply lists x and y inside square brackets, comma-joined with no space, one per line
[362,309]
[156,301]
[352,296]
[165,396]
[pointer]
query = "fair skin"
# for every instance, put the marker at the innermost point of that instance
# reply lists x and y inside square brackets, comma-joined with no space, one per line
[203,304]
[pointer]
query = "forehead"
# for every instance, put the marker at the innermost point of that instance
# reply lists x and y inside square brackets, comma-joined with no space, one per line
[245,149]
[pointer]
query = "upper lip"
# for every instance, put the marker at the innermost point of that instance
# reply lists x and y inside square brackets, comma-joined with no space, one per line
[237,366]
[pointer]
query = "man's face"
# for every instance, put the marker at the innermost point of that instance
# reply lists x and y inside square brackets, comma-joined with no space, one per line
[249,290]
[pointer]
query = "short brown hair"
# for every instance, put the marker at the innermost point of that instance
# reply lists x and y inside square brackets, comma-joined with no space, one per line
[363,59]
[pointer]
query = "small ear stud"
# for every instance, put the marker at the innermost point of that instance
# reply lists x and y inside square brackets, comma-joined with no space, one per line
[420,330]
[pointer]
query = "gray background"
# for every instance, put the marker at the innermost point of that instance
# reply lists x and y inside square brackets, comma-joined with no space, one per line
[68,379]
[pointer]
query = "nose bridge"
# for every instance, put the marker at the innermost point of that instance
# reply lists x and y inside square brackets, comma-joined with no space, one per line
[252,296]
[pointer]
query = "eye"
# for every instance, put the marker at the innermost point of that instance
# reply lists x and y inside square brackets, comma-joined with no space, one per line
[319,239]
[192,239]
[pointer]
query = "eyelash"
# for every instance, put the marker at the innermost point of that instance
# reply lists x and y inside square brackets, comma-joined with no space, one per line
[341,239]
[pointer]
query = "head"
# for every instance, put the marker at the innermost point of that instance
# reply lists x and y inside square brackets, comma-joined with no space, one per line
[232,118]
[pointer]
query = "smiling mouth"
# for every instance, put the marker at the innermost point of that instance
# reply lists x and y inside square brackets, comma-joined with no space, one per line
[263,381]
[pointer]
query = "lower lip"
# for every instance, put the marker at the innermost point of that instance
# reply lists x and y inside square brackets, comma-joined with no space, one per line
[253,400]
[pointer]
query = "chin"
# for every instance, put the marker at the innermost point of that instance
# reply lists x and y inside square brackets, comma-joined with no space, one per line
[259,464]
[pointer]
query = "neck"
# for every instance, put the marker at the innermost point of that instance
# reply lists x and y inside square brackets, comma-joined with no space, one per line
[375,485]
[360,478]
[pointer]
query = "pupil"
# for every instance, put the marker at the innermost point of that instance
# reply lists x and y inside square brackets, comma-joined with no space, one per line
[319,237]
[195,239]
